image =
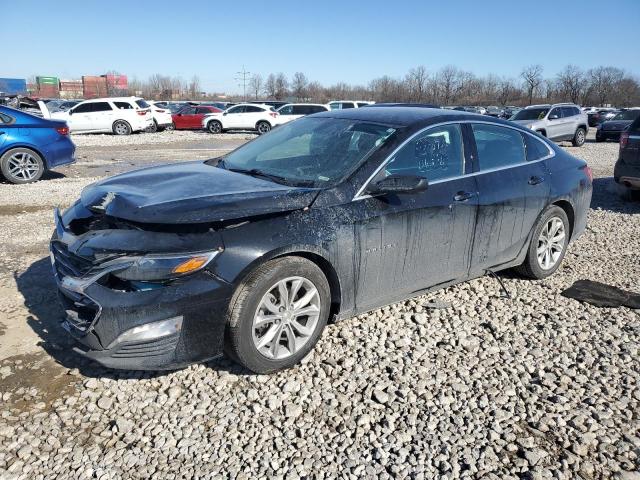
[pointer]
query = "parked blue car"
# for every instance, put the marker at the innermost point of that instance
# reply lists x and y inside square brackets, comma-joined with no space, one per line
[30,145]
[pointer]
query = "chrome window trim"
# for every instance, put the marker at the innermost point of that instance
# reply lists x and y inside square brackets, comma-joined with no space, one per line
[360,195]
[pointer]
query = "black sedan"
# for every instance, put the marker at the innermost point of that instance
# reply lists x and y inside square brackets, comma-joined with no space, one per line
[334,214]
[627,169]
[611,129]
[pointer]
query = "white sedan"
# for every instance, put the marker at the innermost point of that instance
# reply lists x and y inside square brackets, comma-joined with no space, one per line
[245,116]
[292,111]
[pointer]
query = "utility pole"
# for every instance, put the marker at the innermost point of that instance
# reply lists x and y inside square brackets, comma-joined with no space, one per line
[242,77]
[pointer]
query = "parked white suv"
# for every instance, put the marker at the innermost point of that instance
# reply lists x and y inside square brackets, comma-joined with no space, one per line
[342,104]
[292,111]
[120,115]
[558,122]
[246,116]
[161,117]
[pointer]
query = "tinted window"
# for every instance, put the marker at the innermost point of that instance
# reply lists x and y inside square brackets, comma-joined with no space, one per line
[288,110]
[555,111]
[435,154]
[188,111]
[344,105]
[239,109]
[627,115]
[568,112]
[252,109]
[334,106]
[536,149]
[498,146]
[300,110]
[83,108]
[203,110]
[531,114]
[142,104]
[362,104]
[123,105]
[100,107]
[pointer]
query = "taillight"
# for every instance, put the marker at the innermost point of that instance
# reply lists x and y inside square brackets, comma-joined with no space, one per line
[273,114]
[63,130]
[588,172]
[143,112]
[624,139]
[160,111]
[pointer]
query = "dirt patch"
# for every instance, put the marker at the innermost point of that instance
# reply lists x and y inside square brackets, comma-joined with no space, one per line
[17,209]
[33,381]
[3,329]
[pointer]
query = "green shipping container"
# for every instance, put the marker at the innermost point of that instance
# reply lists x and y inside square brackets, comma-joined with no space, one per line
[47,80]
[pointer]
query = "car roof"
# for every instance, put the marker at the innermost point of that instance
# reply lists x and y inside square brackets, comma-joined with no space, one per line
[296,104]
[112,99]
[407,116]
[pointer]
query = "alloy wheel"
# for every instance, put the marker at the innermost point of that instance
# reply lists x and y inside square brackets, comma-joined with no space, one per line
[23,166]
[551,243]
[264,127]
[286,318]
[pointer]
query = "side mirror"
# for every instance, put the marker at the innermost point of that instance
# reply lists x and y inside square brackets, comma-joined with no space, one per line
[554,117]
[224,113]
[70,112]
[398,184]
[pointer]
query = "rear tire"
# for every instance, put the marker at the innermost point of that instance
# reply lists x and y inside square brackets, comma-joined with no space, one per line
[579,137]
[263,127]
[545,239]
[153,128]
[248,325]
[21,165]
[120,127]
[214,127]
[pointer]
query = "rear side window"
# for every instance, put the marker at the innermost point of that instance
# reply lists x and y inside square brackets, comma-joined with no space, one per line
[83,108]
[142,104]
[362,104]
[288,110]
[203,110]
[535,148]
[568,112]
[315,109]
[498,146]
[188,111]
[100,107]
[435,154]
[344,105]
[251,109]
[239,109]
[123,105]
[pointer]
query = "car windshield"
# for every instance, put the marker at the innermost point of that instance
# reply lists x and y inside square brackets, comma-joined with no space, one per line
[314,152]
[531,114]
[627,115]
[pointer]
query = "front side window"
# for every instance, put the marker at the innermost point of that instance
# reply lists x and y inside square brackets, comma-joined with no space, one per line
[498,146]
[436,154]
[288,110]
[568,112]
[123,105]
[83,108]
[556,112]
[238,109]
[101,107]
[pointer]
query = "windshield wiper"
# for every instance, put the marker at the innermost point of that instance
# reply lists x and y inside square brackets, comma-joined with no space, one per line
[255,172]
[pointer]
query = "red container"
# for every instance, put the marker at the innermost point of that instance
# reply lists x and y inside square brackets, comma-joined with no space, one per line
[70,85]
[118,81]
[94,87]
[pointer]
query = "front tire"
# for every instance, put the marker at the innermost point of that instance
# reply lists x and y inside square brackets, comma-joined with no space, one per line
[579,137]
[263,127]
[214,127]
[21,165]
[277,315]
[548,244]
[153,128]
[120,127]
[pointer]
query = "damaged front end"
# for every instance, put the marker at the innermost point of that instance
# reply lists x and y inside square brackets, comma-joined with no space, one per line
[139,296]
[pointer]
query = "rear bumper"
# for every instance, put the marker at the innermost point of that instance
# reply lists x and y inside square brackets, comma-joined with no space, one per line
[60,153]
[608,135]
[627,175]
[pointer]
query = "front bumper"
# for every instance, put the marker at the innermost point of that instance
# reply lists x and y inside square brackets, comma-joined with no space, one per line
[97,315]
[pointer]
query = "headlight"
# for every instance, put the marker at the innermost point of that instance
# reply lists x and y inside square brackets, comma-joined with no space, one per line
[162,267]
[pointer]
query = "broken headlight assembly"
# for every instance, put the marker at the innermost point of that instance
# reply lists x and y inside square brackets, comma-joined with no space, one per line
[161,267]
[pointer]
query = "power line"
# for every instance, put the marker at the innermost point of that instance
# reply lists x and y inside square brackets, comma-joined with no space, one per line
[242,77]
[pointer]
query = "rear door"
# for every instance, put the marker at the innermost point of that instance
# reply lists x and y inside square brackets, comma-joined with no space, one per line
[569,121]
[102,116]
[513,187]
[252,114]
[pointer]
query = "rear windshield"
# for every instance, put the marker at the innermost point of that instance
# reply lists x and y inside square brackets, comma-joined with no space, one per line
[531,114]
[627,115]
[142,104]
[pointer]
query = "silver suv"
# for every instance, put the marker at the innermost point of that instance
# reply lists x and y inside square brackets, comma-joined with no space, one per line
[558,122]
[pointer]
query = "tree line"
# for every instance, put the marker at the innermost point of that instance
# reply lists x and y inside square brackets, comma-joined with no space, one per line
[450,85]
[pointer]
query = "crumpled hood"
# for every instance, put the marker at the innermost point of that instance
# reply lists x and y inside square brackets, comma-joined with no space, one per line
[192,192]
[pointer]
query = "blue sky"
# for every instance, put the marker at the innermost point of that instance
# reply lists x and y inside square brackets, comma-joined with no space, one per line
[328,40]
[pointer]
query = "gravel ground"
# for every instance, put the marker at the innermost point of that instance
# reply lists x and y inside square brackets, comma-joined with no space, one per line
[535,387]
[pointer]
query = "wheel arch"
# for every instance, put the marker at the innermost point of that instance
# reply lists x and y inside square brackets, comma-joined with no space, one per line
[569,209]
[121,120]
[27,146]
[265,121]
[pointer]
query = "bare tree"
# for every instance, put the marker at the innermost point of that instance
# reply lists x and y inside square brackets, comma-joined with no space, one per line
[570,83]
[194,87]
[299,85]
[270,88]
[532,76]
[507,91]
[603,81]
[417,82]
[282,86]
[255,85]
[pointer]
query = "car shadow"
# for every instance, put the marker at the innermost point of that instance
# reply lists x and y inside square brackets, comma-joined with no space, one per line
[38,288]
[608,195]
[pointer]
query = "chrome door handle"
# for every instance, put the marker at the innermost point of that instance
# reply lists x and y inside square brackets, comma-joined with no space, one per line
[535,180]
[463,196]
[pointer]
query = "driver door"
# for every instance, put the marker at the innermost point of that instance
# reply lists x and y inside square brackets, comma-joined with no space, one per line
[555,126]
[233,116]
[413,241]
[80,117]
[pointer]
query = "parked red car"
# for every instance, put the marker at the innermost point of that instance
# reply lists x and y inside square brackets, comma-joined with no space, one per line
[190,117]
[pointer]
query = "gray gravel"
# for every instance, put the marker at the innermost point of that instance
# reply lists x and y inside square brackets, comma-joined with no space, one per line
[480,387]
